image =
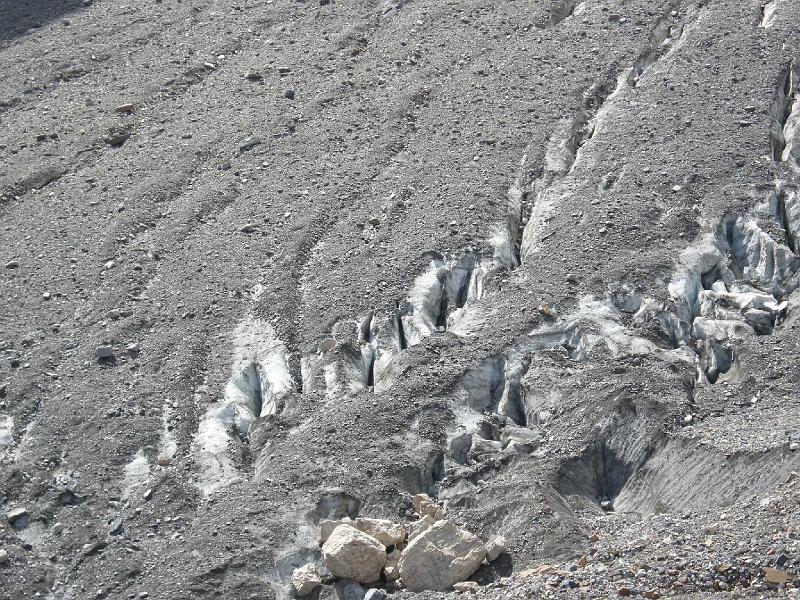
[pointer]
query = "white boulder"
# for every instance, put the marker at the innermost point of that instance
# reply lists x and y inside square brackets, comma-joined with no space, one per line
[417,527]
[383,530]
[391,568]
[326,527]
[425,506]
[306,579]
[495,547]
[352,554]
[439,557]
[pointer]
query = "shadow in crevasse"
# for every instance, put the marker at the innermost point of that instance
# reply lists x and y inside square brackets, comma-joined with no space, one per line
[18,16]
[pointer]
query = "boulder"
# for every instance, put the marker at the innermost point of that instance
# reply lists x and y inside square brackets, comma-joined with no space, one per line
[383,530]
[519,439]
[418,527]
[18,517]
[306,579]
[352,554]
[483,446]
[391,569]
[440,556]
[16,513]
[461,495]
[495,547]
[425,506]
[346,589]
[326,527]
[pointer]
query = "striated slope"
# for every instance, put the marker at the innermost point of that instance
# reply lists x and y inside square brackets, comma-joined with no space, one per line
[536,259]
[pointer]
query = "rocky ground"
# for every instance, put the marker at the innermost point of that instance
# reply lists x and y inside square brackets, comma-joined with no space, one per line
[271,263]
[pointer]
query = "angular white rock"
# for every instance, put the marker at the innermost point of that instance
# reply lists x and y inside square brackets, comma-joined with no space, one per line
[326,527]
[495,547]
[439,557]
[352,554]
[306,579]
[425,506]
[417,527]
[383,530]
[391,568]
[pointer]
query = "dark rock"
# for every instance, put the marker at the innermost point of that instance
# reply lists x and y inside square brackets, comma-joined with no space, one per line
[116,527]
[104,352]
[248,144]
[116,136]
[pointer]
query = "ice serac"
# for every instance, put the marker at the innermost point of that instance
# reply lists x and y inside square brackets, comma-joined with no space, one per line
[663,32]
[562,9]
[535,199]
[733,283]
[258,387]
[439,297]
[507,385]
[791,126]
[361,353]
[261,378]
[6,433]
[784,127]
[769,11]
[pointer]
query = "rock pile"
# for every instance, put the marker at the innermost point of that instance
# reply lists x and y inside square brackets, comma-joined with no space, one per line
[430,554]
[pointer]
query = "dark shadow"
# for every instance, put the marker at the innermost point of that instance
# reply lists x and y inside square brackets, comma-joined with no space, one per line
[598,475]
[422,480]
[19,16]
[335,504]
[502,566]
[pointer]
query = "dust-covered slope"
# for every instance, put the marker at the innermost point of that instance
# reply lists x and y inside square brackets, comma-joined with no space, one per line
[265,263]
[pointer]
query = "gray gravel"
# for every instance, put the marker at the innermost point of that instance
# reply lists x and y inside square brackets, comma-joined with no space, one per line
[269,260]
